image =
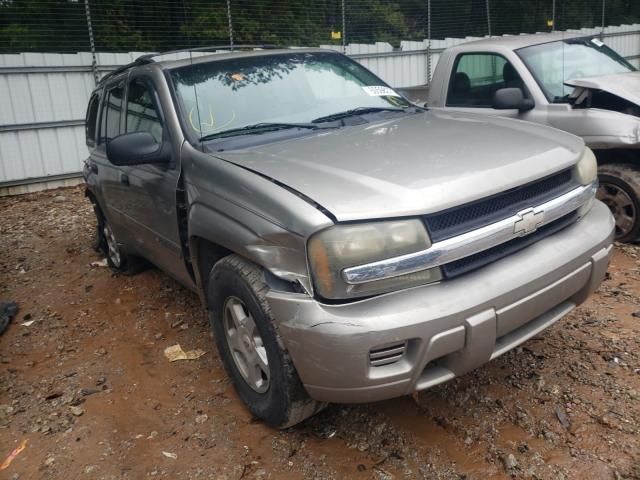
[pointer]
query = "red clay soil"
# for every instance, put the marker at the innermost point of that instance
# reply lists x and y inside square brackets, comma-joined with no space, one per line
[88,386]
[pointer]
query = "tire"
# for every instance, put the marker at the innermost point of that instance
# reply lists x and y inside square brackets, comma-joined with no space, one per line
[250,347]
[116,258]
[620,191]
[99,242]
[105,242]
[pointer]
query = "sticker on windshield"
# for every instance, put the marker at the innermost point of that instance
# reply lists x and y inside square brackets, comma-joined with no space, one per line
[380,91]
[597,42]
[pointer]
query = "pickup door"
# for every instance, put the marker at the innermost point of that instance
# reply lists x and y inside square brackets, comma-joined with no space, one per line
[474,79]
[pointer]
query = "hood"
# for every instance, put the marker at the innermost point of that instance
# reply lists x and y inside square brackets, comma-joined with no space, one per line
[623,85]
[414,164]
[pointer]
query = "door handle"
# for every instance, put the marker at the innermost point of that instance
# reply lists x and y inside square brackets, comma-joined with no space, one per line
[124,179]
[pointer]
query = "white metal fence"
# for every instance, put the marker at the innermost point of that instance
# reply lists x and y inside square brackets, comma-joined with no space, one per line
[44,97]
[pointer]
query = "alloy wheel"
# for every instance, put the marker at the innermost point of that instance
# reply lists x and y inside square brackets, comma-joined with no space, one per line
[246,345]
[621,205]
[113,252]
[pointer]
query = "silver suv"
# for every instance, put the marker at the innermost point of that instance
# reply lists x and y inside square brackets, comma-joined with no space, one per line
[348,246]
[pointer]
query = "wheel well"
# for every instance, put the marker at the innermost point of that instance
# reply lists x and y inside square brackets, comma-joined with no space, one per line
[99,244]
[206,255]
[618,155]
[94,201]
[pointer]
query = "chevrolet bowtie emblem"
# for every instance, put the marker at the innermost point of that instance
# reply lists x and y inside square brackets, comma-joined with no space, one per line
[528,222]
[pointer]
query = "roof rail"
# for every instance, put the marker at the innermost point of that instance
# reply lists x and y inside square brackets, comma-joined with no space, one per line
[138,61]
[208,48]
[148,58]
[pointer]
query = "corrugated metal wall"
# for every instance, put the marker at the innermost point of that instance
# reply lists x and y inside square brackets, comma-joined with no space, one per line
[44,97]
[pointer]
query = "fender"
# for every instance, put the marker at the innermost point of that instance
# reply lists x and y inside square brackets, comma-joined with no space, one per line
[254,238]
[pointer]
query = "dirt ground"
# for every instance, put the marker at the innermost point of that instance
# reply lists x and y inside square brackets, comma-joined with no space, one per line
[87,384]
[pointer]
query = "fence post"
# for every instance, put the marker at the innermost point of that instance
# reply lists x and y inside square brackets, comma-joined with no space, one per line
[553,16]
[488,18]
[428,42]
[230,24]
[344,31]
[92,44]
[604,4]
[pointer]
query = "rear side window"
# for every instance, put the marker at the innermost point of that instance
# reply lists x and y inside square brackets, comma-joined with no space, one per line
[111,109]
[477,76]
[142,114]
[91,120]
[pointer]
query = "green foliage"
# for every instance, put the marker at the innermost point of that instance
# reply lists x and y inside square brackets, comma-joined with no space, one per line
[152,25]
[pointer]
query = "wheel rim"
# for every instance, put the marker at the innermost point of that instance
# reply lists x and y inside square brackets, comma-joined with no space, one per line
[246,345]
[113,252]
[621,205]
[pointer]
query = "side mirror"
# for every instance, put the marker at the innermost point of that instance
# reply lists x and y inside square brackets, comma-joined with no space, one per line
[511,99]
[135,149]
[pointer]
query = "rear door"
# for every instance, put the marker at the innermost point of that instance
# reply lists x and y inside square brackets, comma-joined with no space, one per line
[109,176]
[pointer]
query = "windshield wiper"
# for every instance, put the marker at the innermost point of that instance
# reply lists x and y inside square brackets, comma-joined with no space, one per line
[259,128]
[355,111]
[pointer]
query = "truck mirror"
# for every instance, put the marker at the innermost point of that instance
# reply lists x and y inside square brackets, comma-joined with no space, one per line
[511,99]
[136,149]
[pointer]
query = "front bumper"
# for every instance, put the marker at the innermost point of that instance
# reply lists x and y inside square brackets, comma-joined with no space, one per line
[447,328]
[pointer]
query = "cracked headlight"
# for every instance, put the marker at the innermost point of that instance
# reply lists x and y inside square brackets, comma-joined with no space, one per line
[336,248]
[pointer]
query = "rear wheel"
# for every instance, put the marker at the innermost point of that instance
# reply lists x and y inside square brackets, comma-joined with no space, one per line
[251,348]
[620,191]
[107,244]
[116,258]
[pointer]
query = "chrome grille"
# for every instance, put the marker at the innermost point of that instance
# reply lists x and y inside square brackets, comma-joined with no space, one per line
[468,217]
[467,264]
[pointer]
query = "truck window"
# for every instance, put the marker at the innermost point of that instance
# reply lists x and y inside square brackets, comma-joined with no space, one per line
[91,120]
[111,108]
[477,76]
[142,114]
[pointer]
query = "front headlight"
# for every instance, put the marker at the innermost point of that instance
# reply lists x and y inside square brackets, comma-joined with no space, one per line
[587,168]
[334,249]
[587,174]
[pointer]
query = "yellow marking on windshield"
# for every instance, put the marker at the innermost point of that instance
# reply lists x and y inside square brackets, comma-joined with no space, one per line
[208,126]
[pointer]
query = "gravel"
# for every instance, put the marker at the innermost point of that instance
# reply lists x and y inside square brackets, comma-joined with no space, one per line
[88,385]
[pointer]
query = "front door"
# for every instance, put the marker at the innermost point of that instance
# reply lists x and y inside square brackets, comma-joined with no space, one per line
[150,191]
[476,77]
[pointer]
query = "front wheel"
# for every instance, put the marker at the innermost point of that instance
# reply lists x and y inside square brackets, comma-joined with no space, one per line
[620,191]
[250,347]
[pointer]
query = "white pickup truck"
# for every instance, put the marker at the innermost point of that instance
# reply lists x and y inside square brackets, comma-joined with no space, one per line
[573,83]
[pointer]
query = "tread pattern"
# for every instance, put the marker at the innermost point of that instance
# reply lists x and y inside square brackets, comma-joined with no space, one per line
[301,406]
[628,174]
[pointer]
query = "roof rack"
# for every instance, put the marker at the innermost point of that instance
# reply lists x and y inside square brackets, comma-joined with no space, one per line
[138,61]
[209,48]
[148,58]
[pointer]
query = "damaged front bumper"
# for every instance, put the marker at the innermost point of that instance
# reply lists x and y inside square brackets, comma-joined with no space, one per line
[398,343]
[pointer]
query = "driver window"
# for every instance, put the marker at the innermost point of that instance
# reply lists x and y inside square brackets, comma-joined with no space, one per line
[477,76]
[142,115]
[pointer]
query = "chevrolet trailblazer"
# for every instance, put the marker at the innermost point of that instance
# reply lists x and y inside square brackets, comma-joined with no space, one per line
[348,246]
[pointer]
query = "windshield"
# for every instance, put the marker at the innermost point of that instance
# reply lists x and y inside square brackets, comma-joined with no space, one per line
[279,88]
[554,63]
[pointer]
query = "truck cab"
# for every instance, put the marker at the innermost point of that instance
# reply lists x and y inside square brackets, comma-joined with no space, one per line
[573,83]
